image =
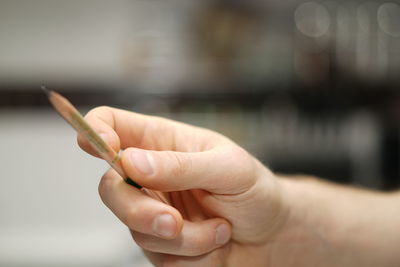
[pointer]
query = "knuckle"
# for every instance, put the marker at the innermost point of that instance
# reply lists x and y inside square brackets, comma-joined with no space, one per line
[240,153]
[140,241]
[245,158]
[179,164]
[199,245]
[130,217]
[96,110]
[105,184]
[246,172]
[143,241]
[97,113]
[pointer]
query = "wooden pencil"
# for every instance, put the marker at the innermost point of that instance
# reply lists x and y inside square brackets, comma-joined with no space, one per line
[105,151]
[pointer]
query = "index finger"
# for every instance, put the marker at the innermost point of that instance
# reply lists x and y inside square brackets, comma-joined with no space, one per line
[122,129]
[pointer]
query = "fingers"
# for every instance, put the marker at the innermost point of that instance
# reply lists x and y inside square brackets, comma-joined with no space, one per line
[195,239]
[102,121]
[137,210]
[159,227]
[221,167]
[225,169]
[217,257]
[123,129]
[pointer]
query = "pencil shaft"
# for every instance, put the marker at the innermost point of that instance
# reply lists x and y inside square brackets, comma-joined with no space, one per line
[105,151]
[75,119]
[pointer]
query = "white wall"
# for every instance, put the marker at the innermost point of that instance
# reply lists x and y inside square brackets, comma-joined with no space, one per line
[77,41]
[50,211]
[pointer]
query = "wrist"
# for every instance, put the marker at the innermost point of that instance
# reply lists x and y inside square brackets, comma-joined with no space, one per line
[333,225]
[305,235]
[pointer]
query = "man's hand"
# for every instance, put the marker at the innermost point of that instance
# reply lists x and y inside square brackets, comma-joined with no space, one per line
[226,209]
[223,202]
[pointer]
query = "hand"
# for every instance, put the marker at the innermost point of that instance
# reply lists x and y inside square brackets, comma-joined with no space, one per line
[224,204]
[226,209]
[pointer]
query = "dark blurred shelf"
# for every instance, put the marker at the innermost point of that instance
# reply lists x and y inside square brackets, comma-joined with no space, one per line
[312,99]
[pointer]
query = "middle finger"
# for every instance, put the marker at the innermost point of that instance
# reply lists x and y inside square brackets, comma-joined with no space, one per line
[137,210]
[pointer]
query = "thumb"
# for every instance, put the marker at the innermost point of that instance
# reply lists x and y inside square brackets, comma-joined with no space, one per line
[225,169]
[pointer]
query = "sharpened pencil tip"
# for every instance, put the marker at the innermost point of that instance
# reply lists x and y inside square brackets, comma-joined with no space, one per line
[45,90]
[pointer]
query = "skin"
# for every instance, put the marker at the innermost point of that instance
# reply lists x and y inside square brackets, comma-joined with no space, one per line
[225,208]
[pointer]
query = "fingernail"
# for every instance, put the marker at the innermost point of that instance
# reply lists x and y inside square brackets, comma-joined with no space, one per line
[164,225]
[143,161]
[222,235]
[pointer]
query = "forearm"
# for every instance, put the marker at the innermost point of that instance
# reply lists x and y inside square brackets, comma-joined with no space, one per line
[332,225]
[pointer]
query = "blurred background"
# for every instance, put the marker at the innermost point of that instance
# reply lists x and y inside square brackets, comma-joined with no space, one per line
[307,87]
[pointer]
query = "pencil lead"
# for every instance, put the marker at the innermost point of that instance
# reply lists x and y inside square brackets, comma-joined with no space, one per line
[45,90]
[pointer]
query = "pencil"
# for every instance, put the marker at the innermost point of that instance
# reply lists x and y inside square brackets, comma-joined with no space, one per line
[105,151]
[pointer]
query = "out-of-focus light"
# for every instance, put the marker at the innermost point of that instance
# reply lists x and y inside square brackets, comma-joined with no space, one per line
[365,17]
[389,18]
[342,27]
[312,19]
